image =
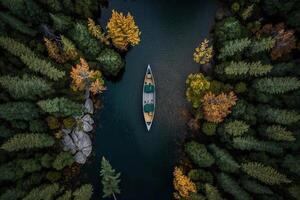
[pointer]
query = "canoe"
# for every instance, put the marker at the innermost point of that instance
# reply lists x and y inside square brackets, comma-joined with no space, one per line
[148,98]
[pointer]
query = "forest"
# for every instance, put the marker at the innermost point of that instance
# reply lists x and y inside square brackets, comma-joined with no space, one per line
[244,134]
[54,57]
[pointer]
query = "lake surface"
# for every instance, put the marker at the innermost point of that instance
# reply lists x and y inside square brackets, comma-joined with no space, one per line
[170,32]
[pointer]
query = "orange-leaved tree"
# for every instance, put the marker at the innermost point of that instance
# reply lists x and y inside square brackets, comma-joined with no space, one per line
[122,30]
[182,184]
[85,79]
[54,51]
[217,107]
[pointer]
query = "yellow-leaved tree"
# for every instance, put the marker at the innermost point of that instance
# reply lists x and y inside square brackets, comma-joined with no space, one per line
[182,184]
[203,53]
[83,78]
[122,30]
[96,31]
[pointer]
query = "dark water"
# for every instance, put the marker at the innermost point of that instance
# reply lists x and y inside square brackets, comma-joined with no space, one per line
[170,32]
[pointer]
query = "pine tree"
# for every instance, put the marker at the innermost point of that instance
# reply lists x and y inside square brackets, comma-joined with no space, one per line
[110,61]
[17,24]
[62,160]
[279,133]
[45,192]
[255,187]
[250,143]
[85,192]
[242,68]
[264,174]
[12,194]
[61,22]
[18,111]
[60,107]
[27,141]
[264,44]
[183,186]
[276,85]
[200,175]
[292,163]
[209,128]
[230,186]
[69,48]
[233,47]
[66,196]
[280,116]
[90,46]
[14,47]
[236,128]
[199,154]
[223,159]
[27,87]
[110,179]
[212,192]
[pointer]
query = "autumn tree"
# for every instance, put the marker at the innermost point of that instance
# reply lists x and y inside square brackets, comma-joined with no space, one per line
[182,184]
[217,107]
[123,31]
[196,86]
[27,141]
[69,48]
[85,79]
[97,32]
[110,179]
[54,51]
[203,53]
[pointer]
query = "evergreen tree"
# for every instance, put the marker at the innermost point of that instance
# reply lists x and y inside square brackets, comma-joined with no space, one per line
[250,143]
[66,196]
[280,116]
[44,192]
[60,107]
[12,194]
[110,179]
[242,68]
[200,175]
[27,141]
[255,187]
[233,47]
[199,154]
[223,159]
[61,22]
[292,162]
[236,128]
[14,47]
[85,192]
[110,61]
[212,192]
[264,174]
[230,186]
[279,133]
[17,24]
[62,160]
[209,128]
[69,48]
[28,87]
[18,111]
[264,44]
[276,85]
[86,43]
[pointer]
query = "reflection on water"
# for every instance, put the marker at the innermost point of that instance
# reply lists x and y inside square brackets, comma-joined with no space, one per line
[170,33]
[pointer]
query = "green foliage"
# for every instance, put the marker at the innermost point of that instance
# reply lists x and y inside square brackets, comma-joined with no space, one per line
[199,154]
[264,44]
[200,175]
[53,176]
[110,61]
[233,47]
[230,186]
[44,192]
[295,191]
[47,160]
[60,107]
[279,133]
[14,47]
[255,187]
[28,87]
[240,68]
[110,179]
[85,192]
[5,132]
[66,196]
[223,159]
[52,122]
[236,128]
[37,126]
[90,46]
[18,111]
[245,111]
[85,8]
[61,22]
[240,87]
[265,174]
[195,196]
[17,24]
[280,116]
[250,143]
[209,128]
[27,141]
[212,192]
[276,85]
[292,163]
[62,160]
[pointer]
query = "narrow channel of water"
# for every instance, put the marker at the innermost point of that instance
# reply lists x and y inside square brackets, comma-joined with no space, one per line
[170,32]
